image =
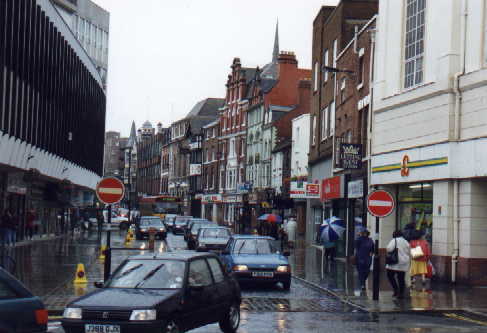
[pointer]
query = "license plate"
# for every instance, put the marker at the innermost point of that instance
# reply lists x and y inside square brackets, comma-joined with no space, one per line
[89,328]
[263,274]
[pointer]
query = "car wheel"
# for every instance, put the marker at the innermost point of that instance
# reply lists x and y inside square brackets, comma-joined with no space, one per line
[287,285]
[171,327]
[231,320]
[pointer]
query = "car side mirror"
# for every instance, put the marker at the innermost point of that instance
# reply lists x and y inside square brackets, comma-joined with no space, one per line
[286,253]
[98,284]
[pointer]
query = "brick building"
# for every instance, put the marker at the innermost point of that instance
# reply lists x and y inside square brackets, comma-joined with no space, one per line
[149,163]
[333,29]
[211,197]
[166,141]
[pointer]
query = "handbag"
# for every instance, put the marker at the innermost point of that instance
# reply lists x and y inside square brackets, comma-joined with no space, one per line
[392,257]
[417,252]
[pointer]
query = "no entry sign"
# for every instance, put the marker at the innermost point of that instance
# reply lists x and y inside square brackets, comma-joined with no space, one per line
[110,190]
[380,203]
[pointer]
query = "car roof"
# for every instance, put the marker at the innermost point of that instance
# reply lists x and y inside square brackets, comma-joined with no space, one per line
[252,237]
[179,255]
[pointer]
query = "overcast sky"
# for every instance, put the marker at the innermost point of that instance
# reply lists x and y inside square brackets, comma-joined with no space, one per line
[166,55]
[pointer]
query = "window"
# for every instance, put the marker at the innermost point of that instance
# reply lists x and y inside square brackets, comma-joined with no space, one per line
[316,76]
[199,274]
[361,70]
[414,42]
[6,292]
[348,136]
[343,87]
[314,131]
[216,269]
[332,118]
[324,124]
[326,57]
[335,53]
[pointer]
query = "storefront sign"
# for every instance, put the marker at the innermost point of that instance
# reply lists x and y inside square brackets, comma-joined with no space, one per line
[195,169]
[211,198]
[312,191]
[253,198]
[332,188]
[232,199]
[298,190]
[356,189]
[350,156]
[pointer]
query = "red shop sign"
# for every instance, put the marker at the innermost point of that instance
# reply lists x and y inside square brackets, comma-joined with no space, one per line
[332,188]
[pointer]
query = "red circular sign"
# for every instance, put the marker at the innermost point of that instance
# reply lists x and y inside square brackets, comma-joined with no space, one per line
[110,190]
[380,203]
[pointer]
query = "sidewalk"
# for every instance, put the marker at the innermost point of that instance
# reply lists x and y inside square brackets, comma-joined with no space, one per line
[341,280]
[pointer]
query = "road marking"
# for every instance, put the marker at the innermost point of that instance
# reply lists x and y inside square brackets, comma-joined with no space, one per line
[459,317]
[380,203]
[110,190]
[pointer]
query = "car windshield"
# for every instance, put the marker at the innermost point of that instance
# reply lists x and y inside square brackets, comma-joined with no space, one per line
[215,233]
[254,246]
[197,226]
[150,222]
[149,274]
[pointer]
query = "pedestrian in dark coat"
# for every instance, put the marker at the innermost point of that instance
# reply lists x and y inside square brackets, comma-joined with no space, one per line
[364,249]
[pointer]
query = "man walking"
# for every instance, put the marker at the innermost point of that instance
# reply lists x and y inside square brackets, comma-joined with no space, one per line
[364,249]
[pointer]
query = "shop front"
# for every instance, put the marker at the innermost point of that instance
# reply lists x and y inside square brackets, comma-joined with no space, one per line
[333,196]
[233,205]
[210,203]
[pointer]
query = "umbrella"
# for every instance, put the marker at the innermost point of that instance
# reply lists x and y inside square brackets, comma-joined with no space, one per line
[333,231]
[270,218]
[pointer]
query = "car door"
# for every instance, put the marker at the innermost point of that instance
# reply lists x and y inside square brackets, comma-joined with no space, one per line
[199,299]
[223,292]
[227,258]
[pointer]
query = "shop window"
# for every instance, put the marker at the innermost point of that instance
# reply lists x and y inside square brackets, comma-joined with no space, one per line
[416,206]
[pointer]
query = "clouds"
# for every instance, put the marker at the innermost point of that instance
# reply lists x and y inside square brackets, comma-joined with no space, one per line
[166,55]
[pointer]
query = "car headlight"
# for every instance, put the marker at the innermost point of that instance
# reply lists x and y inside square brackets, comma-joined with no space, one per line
[72,313]
[162,229]
[283,269]
[201,244]
[143,230]
[143,315]
[240,268]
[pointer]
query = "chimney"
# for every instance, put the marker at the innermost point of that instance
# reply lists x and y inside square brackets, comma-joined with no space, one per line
[159,128]
[286,57]
[304,94]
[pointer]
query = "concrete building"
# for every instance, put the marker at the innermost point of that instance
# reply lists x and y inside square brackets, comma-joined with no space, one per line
[333,29]
[91,25]
[47,161]
[429,129]
[114,154]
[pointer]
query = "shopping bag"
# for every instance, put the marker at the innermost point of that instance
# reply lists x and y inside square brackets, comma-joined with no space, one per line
[417,252]
[431,270]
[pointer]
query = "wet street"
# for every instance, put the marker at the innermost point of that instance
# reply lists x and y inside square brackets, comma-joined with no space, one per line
[48,267]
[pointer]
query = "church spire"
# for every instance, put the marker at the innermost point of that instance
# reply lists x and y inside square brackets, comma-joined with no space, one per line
[275,53]
[133,135]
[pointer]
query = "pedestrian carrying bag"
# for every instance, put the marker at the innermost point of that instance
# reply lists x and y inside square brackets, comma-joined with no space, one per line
[392,257]
[417,252]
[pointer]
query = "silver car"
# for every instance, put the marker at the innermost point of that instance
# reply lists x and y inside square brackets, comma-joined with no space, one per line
[212,238]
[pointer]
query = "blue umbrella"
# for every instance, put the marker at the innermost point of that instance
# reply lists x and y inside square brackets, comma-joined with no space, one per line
[333,230]
[263,217]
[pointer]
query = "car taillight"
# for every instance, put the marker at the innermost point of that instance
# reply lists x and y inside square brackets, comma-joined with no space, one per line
[41,317]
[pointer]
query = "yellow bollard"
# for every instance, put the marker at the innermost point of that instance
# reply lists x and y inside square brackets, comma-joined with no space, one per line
[102,252]
[80,276]
[128,239]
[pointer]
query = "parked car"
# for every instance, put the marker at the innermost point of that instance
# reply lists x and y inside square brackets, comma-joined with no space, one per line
[166,292]
[212,238]
[169,220]
[192,231]
[256,259]
[147,223]
[180,224]
[20,311]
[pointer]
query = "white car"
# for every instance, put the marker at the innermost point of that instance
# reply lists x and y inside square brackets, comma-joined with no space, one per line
[121,221]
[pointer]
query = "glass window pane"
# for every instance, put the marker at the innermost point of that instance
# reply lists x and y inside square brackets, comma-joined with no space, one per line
[216,269]
[6,292]
[199,274]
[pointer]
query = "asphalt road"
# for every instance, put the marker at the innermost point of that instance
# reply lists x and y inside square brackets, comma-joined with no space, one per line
[304,310]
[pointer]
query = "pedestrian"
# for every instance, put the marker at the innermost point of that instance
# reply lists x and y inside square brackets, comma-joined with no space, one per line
[364,249]
[291,232]
[29,223]
[274,232]
[420,255]
[330,250]
[396,272]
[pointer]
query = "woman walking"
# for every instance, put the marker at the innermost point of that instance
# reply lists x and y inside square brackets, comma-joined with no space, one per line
[364,249]
[420,253]
[399,264]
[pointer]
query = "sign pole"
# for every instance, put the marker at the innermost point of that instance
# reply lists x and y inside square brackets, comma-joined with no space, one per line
[376,281]
[108,254]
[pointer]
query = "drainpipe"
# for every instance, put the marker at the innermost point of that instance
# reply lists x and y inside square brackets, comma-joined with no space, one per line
[372,33]
[457,124]
[355,40]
